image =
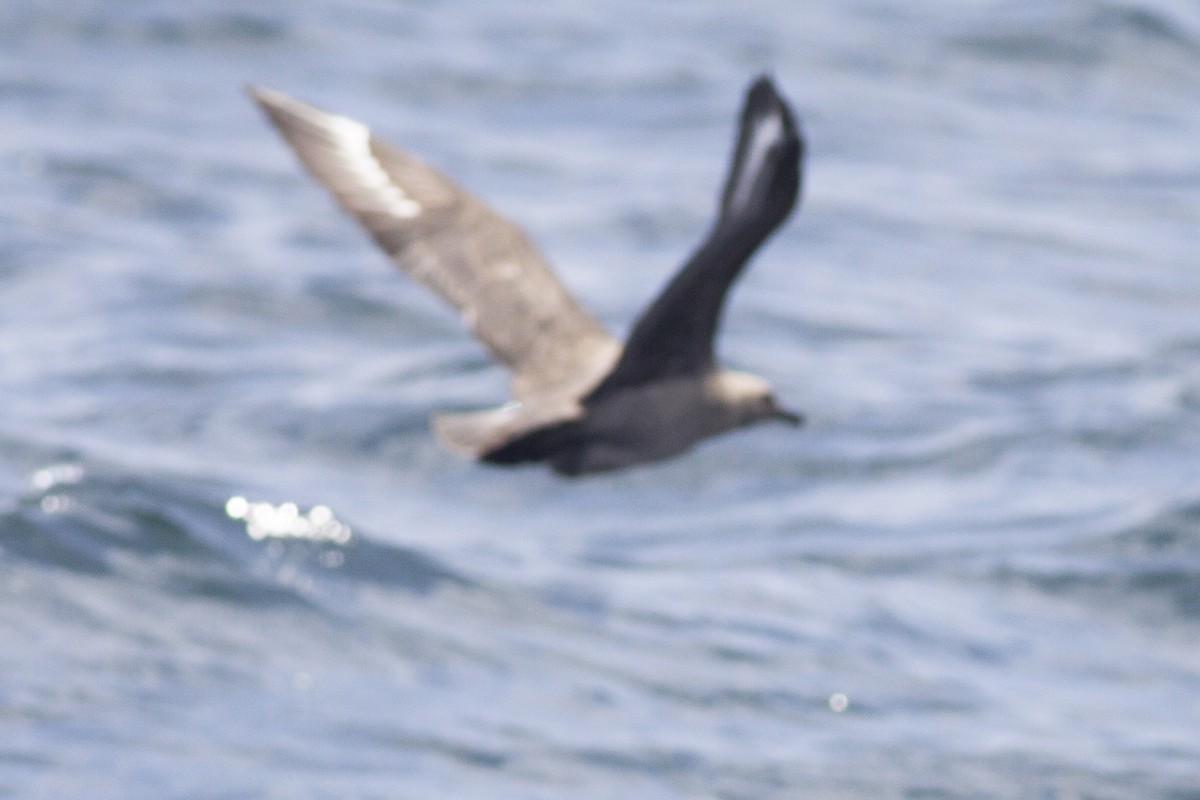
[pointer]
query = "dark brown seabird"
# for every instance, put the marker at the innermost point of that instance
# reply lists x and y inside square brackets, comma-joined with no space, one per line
[582,402]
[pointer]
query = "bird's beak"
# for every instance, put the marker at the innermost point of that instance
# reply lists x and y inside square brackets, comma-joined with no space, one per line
[790,417]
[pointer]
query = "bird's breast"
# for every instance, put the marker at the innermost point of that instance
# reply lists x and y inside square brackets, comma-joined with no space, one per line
[657,419]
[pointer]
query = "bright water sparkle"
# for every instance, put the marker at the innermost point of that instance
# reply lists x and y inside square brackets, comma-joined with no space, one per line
[976,574]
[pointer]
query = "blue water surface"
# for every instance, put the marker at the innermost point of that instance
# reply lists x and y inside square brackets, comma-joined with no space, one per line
[235,564]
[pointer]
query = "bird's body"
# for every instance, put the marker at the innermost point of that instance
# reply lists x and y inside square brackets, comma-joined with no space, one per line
[582,401]
[649,422]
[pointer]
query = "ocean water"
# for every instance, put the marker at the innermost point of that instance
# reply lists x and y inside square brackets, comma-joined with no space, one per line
[235,564]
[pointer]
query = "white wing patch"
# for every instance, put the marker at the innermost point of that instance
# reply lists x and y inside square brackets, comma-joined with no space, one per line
[351,142]
[767,131]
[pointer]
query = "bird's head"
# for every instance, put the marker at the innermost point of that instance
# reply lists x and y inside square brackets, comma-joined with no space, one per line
[750,399]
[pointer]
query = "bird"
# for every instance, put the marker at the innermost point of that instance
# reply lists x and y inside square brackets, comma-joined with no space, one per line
[582,401]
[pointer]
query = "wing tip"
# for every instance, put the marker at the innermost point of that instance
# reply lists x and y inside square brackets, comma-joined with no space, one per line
[267,98]
[285,111]
[763,98]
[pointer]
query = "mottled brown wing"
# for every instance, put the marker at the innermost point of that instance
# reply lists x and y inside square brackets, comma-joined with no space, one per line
[449,240]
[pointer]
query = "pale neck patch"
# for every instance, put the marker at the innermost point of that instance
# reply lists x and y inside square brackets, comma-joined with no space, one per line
[736,387]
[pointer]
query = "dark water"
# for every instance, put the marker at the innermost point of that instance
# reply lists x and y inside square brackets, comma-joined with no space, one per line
[976,574]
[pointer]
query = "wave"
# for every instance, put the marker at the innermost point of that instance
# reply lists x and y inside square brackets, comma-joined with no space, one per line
[1149,567]
[198,26]
[178,533]
[1085,34]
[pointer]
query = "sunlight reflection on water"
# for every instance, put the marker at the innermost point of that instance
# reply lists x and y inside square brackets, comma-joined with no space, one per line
[284,521]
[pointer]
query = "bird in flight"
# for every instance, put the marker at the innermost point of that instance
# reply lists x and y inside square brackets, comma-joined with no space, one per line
[582,401]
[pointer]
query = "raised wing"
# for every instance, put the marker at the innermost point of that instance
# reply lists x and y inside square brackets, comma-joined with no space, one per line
[674,336]
[449,240]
